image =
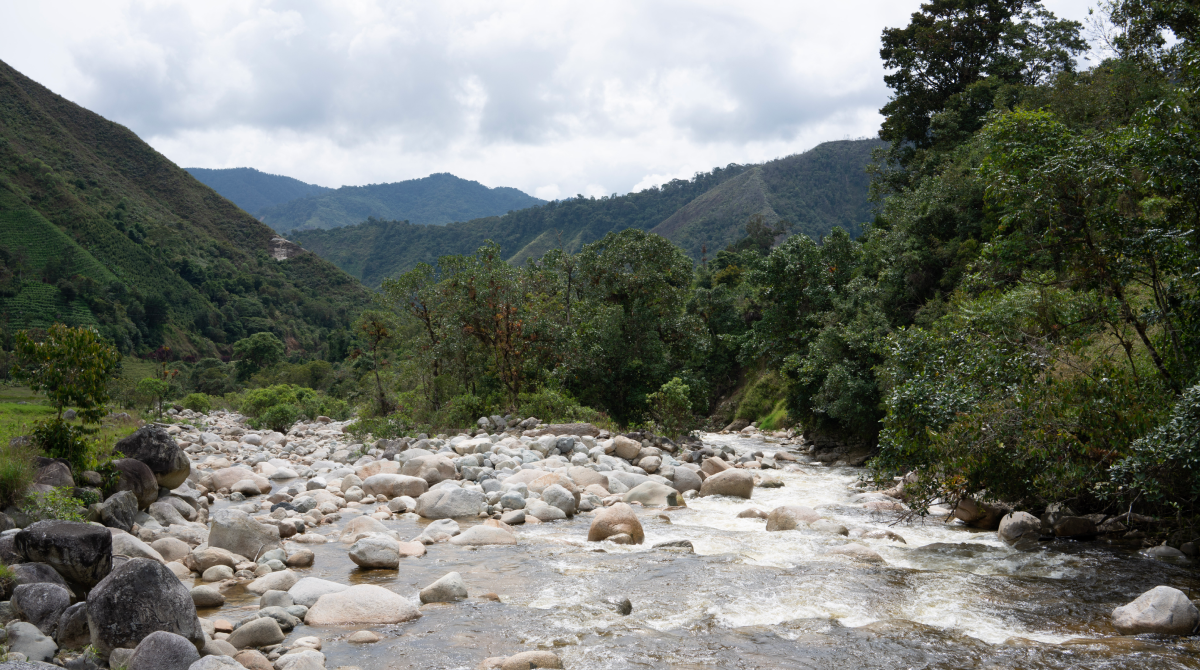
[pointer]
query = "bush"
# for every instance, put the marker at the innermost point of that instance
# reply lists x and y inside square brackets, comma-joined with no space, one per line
[198,402]
[554,406]
[296,403]
[55,504]
[278,418]
[16,473]
[761,398]
[671,408]
[59,439]
[382,427]
[1164,467]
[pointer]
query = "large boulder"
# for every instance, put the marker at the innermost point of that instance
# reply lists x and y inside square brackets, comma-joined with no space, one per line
[376,551]
[433,468]
[203,559]
[791,517]
[260,632]
[626,448]
[1161,610]
[161,650]
[307,591]
[449,502]
[25,638]
[557,496]
[394,486]
[281,580]
[136,477]
[449,588]
[41,605]
[616,520]
[72,631]
[653,494]
[684,479]
[137,598]
[37,573]
[1020,530]
[54,473]
[234,530]
[361,604]
[154,447]
[119,510]
[478,536]
[732,482]
[977,514]
[80,552]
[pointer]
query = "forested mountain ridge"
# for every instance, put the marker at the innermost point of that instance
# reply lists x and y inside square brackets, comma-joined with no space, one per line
[815,191]
[98,228]
[253,190]
[437,199]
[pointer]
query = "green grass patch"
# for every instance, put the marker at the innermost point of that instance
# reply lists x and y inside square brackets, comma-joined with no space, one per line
[777,419]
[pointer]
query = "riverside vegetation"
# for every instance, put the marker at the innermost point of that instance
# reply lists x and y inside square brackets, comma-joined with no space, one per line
[1010,347]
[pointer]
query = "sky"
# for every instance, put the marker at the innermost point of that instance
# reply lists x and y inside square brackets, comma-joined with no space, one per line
[554,98]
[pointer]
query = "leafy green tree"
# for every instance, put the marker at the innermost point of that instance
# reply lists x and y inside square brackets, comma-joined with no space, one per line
[672,408]
[156,390]
[260,350]
[376,332]
[73,367]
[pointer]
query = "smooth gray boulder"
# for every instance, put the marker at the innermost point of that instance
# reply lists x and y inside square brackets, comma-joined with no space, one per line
[376,552]
[154,447]
[1161,610]
[216,663]
[306,591]
[260,632]
[235,531]
[560,497]
[80,552]
[394,486]
[25,638]
[791,517]
[119,510]
[449,503]
[684,479]
[478,536]
[41,605]
[654,494]
[137,478]
[73,631]
[449,588]
[1020,530]
[733,482]
[161,650]
[137,598]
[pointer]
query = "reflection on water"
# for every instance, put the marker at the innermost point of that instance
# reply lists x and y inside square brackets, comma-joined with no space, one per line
[947,598]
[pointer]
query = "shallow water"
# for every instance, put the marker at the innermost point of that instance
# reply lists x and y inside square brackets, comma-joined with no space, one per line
[949,598]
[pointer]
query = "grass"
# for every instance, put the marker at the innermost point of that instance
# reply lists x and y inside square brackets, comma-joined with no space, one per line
[20,408]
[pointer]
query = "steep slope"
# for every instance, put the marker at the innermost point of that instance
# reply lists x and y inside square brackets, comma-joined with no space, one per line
[97,227]
[252,190]
[436,199]
[815,191]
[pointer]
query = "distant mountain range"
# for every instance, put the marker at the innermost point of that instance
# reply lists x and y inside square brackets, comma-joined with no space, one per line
[815,191]
[97,228]
[255,191]
[288,204]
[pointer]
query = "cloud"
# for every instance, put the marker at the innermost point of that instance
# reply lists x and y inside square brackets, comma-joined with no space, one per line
[554,98]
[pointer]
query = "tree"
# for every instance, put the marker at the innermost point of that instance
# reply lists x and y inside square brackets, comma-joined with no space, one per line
[156,389]
[72,366]
[376,331]
[256,352]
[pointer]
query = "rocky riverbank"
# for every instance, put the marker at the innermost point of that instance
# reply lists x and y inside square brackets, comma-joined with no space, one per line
[227,547]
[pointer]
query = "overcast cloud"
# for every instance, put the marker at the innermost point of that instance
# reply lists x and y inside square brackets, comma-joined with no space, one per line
[554,98]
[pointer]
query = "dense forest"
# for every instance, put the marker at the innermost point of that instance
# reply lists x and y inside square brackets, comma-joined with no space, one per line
[813,191]
[252,190]
[97,228]
[433,200]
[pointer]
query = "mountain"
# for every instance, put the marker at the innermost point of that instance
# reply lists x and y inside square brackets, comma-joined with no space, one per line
[821,188]
[436,199]
[98,228]
[255,191]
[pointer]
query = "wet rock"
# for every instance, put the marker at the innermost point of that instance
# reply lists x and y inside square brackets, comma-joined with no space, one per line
[217,573]
[302,558]
[557,496]
[154,447]
[137,478]
[878,534]
[619,519]
[163,651]
[219,662]
[360,604]
[25,638]
[257,633]
[362,526]
[375,552]
[201,560]
[975,514]
[621,606]
[281,616]
[394,485]
[753,513]
[275,581]
[363,637]
[246,487]
[1075,527]
[712,466]
[477,536]
[531,659]
[859,552]
[119,510]
[72,631]
[827,526]
[80,552]
[207,596]
[653,494]
[685,479]
[275,599]
[410,549]
[449,588]
[791,517]
[734,483]
[303,659]
[1161,610]
[513,518]
[218,648]
[1020,530]
[137,598]
[449,503]
[308,590]
[676,545]
[235,531]
[41,605]
[1164,552]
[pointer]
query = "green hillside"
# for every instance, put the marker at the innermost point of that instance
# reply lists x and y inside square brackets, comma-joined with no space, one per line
[815,191]
[436,199]
[97,227]
[252,190]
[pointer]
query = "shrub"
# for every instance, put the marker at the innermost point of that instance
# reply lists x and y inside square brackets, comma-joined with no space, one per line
[1163,468]
[278,418]
[554,406]
[381,427]
[671,407]
[57,504]
[761,398]
[16,473]
[297,403]
[154,390]
[198,402]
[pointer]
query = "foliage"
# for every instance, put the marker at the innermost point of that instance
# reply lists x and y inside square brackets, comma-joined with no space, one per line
[761,397]
[555,406]
[156,390]
[380,427]
[278,407]
[1163,468]
[256,352]
[16,472]
[279,417]
[671,407]
[197,402]
[57,504]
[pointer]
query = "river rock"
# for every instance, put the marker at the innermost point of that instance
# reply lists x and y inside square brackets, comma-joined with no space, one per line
[124,544]
[1161,610]
[252,659]
[1020,530]
[432,468]
[478,536]
[302,558]
[859,552]
[207,596]
[447,589]
[449,502]
[234,530]
[585,477]
[653,494]
[557,496]
[275,581]
[55,474]
[712,466]
[137,598]
[25,638]
[827,526]
[119,510]
[362,526]
[137,478]
[977,514]
[36,573]
[221,662]
[626,448]
[1164,552]
[308,590]
[736,483]
[72,631]
[161,650]
[685,479]
[376,552]
[41,604]
[154,447]
[259,632]
[1076,527]
[360,604]
[201,560]
[619,519]
[531,659]
[755,513]
[791,517]
[80,552]
[394,485]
